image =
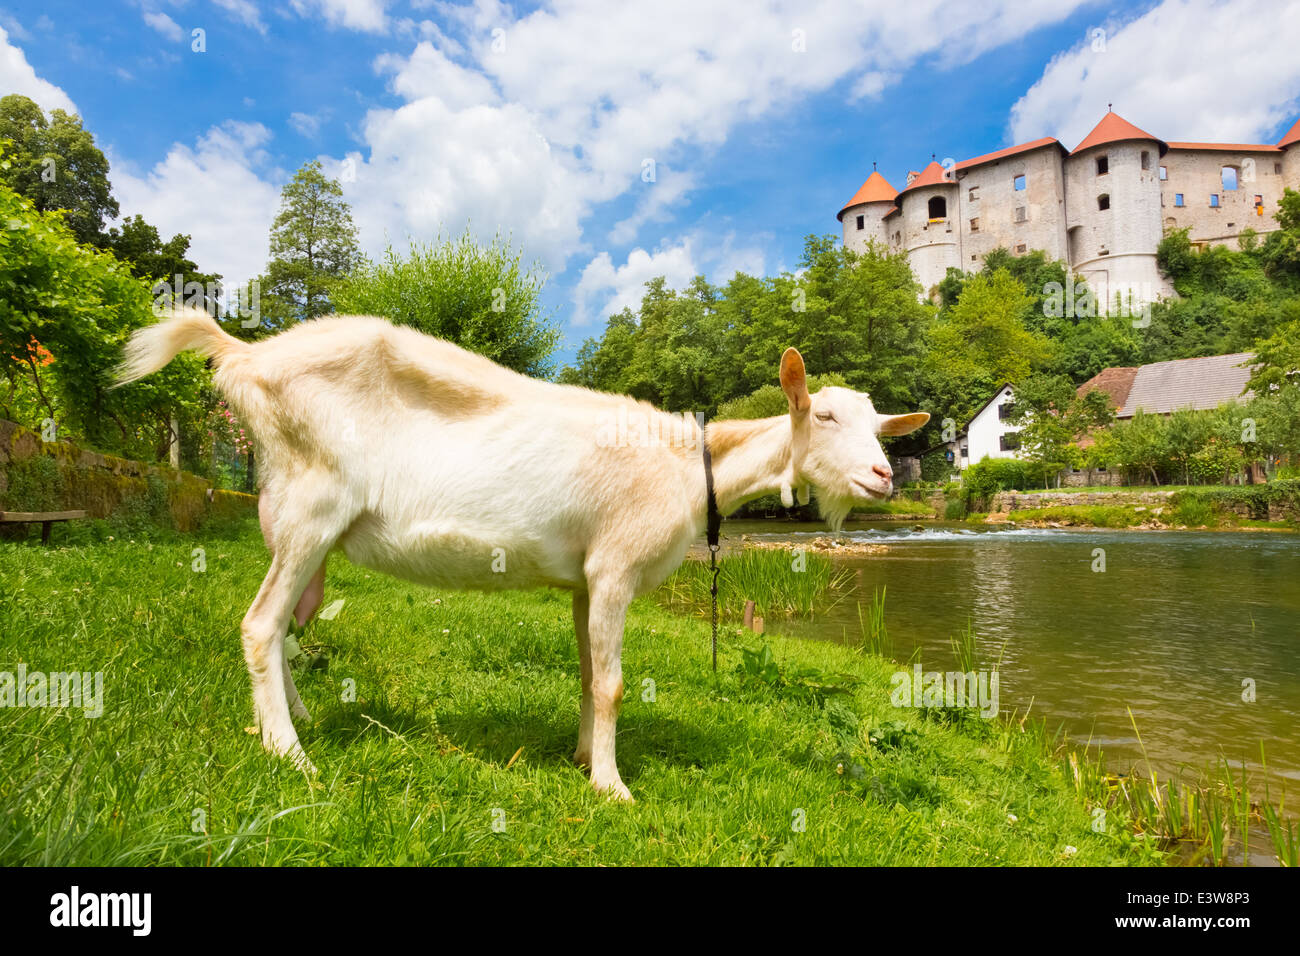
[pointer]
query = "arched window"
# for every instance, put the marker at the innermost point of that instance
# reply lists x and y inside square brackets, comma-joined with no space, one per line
[938,208]
[1228,176]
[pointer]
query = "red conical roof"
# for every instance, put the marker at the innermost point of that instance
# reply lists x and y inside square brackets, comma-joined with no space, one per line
[932,175]
[1291,137]
[1112,129]
[875,189]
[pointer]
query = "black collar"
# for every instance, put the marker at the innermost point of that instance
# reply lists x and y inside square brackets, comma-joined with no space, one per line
[714,525]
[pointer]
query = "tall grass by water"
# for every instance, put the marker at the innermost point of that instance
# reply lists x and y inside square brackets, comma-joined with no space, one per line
[779,582]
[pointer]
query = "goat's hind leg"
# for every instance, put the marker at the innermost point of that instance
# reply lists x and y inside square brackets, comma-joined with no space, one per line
[307,605]
[296,557]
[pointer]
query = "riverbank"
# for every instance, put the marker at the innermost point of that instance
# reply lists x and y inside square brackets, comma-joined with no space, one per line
[454,748]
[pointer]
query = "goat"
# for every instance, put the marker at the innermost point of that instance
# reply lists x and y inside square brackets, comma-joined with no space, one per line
[431,463]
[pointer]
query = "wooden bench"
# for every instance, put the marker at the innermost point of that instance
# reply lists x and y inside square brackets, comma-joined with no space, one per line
[46,519]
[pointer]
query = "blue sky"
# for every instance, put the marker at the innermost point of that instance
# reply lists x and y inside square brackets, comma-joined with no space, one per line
[761,118]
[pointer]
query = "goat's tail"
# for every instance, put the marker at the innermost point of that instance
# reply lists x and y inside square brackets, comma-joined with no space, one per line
[153,346]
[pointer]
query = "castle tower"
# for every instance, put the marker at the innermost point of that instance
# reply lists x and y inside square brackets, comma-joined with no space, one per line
[927,207]
[863,216]
[1290,146]
[1112,213]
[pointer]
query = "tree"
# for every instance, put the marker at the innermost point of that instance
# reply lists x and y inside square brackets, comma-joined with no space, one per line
[982,343]
[313,244]
[138,244]
[66,309]
[481,297]
[56,165]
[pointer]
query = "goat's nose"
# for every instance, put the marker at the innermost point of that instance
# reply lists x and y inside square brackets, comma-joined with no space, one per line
[884,472]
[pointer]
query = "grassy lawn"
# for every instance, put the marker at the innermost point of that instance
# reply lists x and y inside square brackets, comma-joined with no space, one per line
[465,714]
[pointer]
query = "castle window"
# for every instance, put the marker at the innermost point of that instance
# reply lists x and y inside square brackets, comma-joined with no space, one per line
[938,208]
[1019,182]
[1214,200]
[1022,214]
[1178,199]
[1164,173]
[975,224]
[1020,248]
[862,222]
[1277,169]
[974,194]
[1228,176]
[1103,165]
[1103,201]
[1146,159]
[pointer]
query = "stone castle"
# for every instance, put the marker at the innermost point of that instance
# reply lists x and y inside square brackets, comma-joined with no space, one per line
[1102,207]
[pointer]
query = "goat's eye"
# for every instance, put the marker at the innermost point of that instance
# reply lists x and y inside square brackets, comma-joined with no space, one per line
[825,417]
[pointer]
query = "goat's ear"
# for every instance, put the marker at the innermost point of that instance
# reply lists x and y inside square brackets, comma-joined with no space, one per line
[902,424]
[793,381]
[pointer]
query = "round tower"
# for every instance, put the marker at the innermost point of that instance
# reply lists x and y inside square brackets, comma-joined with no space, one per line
[1290,146]
[927,207]
[863,216]
[1113,216]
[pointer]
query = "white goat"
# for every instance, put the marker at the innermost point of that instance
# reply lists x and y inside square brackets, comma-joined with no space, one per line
[428,462]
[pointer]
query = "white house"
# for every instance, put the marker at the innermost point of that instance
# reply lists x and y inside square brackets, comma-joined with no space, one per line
[989,434]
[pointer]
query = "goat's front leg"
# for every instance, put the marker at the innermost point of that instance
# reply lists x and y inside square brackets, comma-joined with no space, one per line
[581,610]
[605,618]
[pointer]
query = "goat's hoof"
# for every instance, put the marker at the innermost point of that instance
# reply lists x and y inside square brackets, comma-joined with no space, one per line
[614,791]
[582,759]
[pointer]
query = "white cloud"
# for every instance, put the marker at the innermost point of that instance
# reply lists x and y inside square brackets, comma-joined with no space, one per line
[245,11]
[17,76]
[364,15]
[605,289]
[668,188]
[305,123]
[1194,70]
[217,192]
[165,25]
[428,72]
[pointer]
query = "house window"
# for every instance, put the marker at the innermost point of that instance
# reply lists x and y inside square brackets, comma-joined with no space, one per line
[1006,410]
[1009,442]
[1164,173]
[974,193]
[1214,200]
[1103,165]
[1178,199]
[1228,177]
[1022,214]
[975,224]
[862,222]
[1146,159]
[1019,182]
[1103,201]
[938,208]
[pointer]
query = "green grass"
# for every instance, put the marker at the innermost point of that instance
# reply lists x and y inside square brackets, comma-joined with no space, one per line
[780,582]
[895,507]
[1186,513]
[466,713]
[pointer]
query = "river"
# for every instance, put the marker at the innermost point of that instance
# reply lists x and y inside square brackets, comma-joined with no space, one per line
[1177,628]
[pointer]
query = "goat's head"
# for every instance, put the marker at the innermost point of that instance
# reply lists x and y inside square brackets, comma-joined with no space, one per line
[835,442]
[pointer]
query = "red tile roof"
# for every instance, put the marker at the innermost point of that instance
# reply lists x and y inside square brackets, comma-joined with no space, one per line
[1291,137]
[1228,147]
[1115,382]
[875,189]
[1010,151]
[1113,128]
[932,175]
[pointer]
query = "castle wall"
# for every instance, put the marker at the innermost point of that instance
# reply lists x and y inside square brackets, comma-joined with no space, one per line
[873,226]
[1115,248]
[1197,174]
[987,193]
[932,245]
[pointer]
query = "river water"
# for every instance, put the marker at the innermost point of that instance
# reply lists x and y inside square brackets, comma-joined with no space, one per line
[1177,628]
